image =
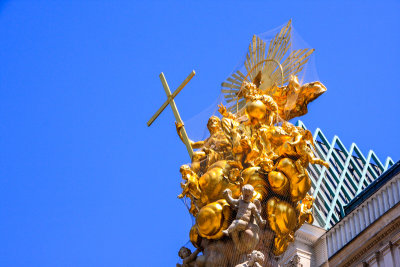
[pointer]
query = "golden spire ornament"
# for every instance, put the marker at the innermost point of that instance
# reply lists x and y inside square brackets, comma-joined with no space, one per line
[247,183]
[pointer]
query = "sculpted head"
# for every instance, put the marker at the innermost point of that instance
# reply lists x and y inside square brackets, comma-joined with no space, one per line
[214,124]
[247,192]
[234,173]
[185,169]
[308,201]
[184,252]
[257,256]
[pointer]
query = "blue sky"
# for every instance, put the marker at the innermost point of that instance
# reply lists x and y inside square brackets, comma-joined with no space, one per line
[84,182]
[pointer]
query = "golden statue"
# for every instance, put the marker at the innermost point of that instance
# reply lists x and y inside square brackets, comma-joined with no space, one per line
[249,177]
[214,148]
[191,188]
[304,209]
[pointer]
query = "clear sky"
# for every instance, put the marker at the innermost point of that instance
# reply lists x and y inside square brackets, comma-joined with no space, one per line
[84,182]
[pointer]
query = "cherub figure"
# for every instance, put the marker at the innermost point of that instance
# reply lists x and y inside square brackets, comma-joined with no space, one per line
[273,137]
[214,148]
[191,188]
[301,139]
[253,149]
[234,175]
[304,209]
[265,163]
[247,210]
[254,259]
[288,149]
[189,258]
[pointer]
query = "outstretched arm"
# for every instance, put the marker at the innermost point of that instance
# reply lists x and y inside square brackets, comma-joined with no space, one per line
[228,196]
[297,139]
[194,145]
[192,257]
[185,190]
[225,113]
[258,217]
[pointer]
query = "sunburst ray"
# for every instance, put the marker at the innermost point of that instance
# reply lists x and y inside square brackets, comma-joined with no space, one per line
[267,68]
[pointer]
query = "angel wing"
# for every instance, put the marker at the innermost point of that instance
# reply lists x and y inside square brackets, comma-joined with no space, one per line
[294,101]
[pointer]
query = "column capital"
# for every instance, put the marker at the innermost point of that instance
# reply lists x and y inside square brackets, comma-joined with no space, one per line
[294,262]
[396,240]
[373,258]
[386,248]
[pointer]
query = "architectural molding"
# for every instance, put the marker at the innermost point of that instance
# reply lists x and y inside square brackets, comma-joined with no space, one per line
[309,234]
[306,239]
[368,213]
[373,259]
[363,244]
[294,262]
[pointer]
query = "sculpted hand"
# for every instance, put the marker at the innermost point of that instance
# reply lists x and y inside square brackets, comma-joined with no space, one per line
[207,150]
[244,143]
[227,192]
[263,222]
[222,109]
[179,126]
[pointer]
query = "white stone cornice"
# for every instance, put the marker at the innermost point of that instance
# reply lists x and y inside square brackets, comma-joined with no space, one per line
[309,234]
[383,231]
[363,216]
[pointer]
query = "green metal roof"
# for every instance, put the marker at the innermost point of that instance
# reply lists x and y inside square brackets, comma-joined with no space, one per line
[349,174]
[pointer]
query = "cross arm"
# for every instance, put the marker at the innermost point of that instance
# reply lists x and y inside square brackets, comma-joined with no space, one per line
[161,109]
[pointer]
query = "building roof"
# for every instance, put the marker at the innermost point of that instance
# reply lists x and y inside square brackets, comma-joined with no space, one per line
[372,188]
[349,174]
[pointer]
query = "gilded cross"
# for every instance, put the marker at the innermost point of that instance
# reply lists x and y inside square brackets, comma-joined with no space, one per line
[170,100]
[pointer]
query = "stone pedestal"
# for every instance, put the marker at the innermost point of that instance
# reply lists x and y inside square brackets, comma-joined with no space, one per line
[308,249]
